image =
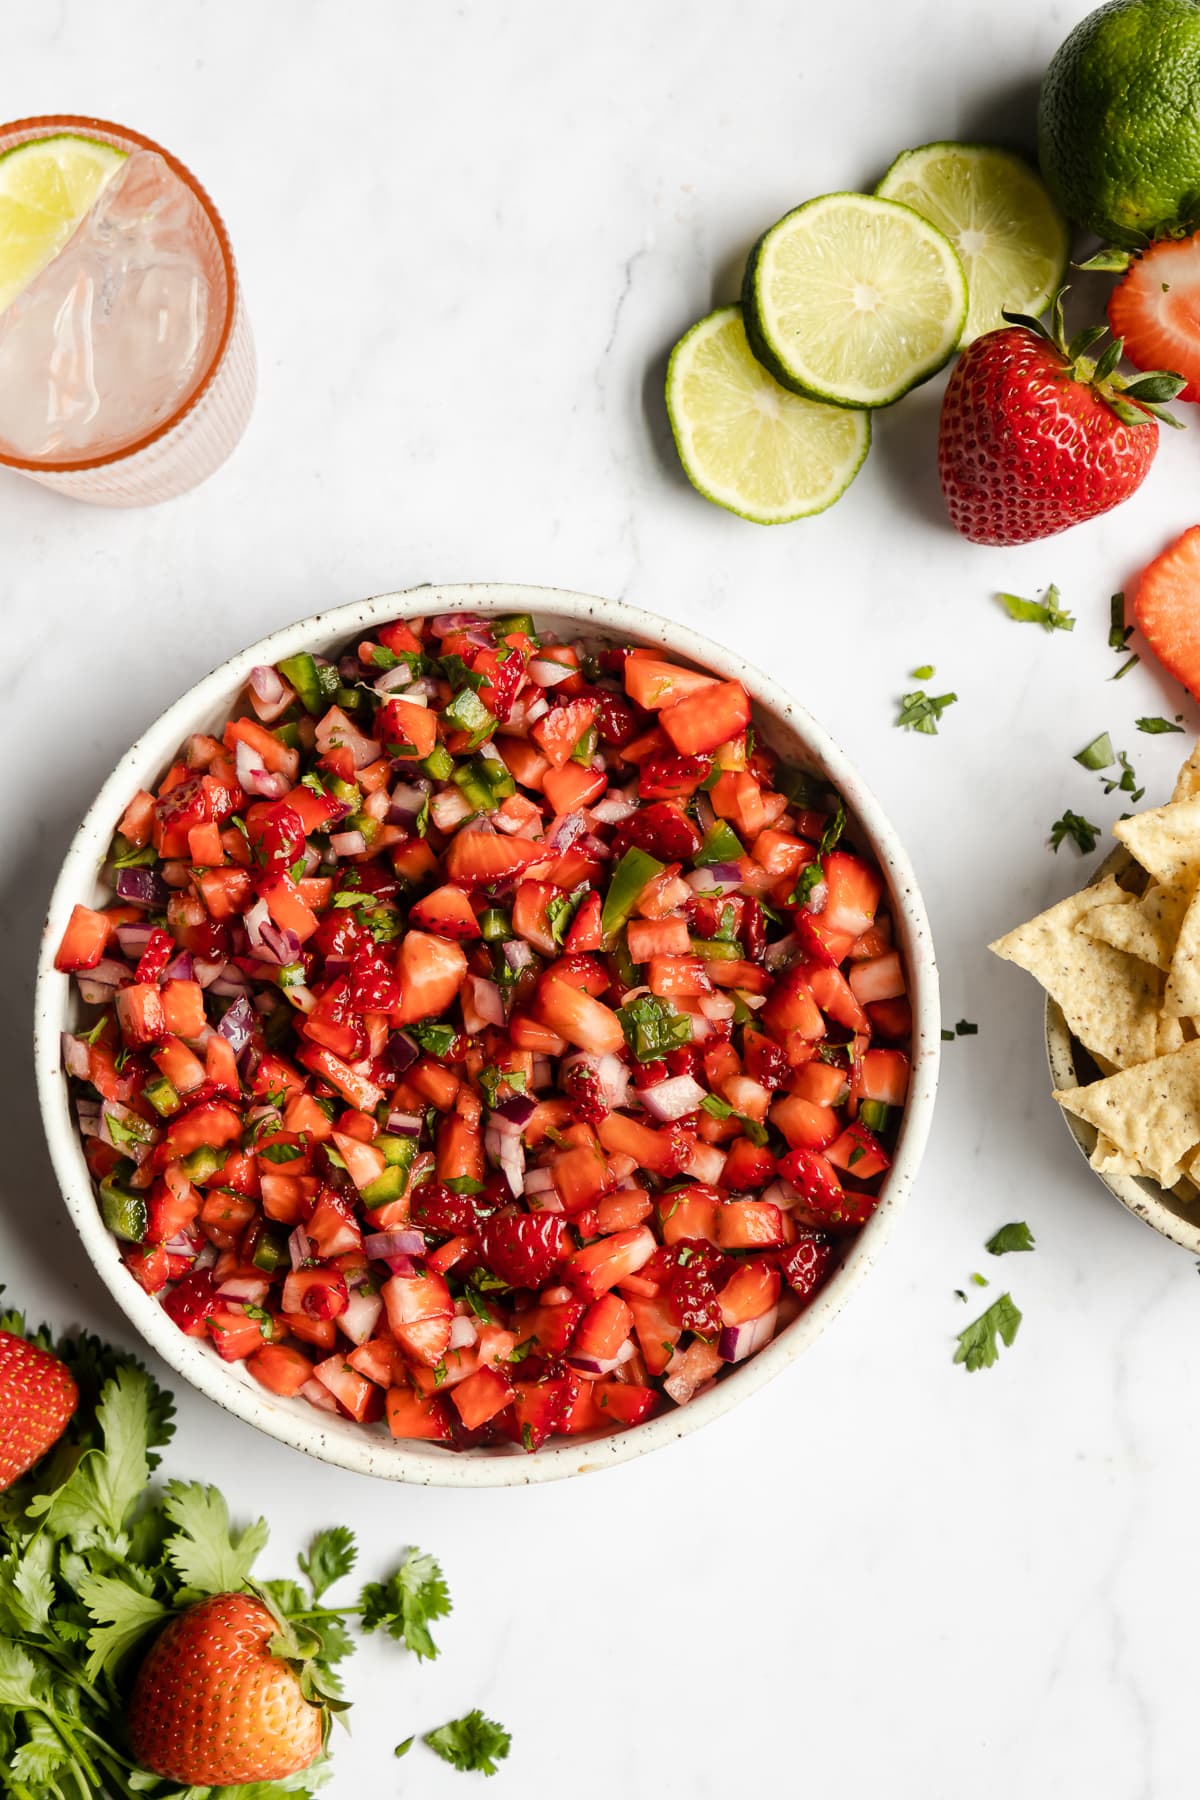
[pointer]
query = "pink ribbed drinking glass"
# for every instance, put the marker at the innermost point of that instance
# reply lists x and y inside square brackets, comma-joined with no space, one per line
[151,457]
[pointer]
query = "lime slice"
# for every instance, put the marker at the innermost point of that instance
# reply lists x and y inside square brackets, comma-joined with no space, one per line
[46,186]
[1012,241]
[854,300]
[749,444]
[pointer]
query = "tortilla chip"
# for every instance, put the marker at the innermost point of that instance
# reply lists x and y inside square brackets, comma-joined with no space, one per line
[1110,1000]
[1166,842]
[1147,928]
[1106,1159]
[1187,782]
[1169,1035]
[1151,1112]
[1181,998]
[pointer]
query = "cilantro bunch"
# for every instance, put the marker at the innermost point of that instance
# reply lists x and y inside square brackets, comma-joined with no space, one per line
[95,1558]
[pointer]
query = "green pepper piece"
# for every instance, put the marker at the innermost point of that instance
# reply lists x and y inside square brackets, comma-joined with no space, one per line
[873,1114]
[163,1096]
[202,1163]
[300,672]
[124,1212]
[513,622]
[439,764]
[495,925]
[635,869]
[398,1152]
[716,950]
[271,1250]
[721,845]
[466,712]
[388,1186]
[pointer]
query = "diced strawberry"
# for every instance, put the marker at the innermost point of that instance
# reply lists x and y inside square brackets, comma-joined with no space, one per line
[657,1329]
[446,912]
[803,1124]
[671,777]
[859,1152]
[823,1194]
[751,1291]
[479,857]
[708,718]
[280,1368]
[537,1410]
[573,787]
[664,830]
[481,1396]
[319,1294]
[84,941]
[749,1225]
[747,1165]
[576,1016]
[430,971]
[190,1302]
[653,683]
[601,1266]
[807,1262]
[419,1313]
[406,729]
[360,1398]
[411,1415]
[523,1249]
[891,1019]
[882,1075]
[559,731]
[621,1403]
[585,934]
[853,893]
[835,997]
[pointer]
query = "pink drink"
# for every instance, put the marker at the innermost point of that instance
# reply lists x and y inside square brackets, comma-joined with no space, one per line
[126,365]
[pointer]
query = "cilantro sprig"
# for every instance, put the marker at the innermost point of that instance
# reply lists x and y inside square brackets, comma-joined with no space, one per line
[979,1342]
[1047,612]
[473,1743]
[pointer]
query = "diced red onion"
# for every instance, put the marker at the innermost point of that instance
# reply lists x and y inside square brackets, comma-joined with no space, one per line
[142,887]
[336,727]
[613,809]
[206,1256]
[737,1342]
[360,1316]
[230,982]
[463,1333]
[705,1163]
[543,1072]
[706,818]
[251,1288]
[379,1245]
[400,1264]
[817,898]
[406,800]
[716,878]
[180,1245]
[672,1099]
[299,1247]
[318,1395]
[392,680]
[564,830]
[517,1111]
[780,954]
[88,1114]
[603,1365]
[348,843]
[270,694]
[140,1147]
[782,1194]
[548,674]
[237,1025]
[405,1124]
[254,777]
[401,1052]
[445,623]
[133,938]
[487,1000]
[449,807]
[535,708]
[517,954]
[180,968]
[76,1056]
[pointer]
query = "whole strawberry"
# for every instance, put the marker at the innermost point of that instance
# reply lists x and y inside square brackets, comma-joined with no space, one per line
[214,1705]
[1036,436]
[38,1398]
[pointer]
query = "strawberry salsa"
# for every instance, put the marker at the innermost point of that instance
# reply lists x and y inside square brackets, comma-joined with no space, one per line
[492,1037]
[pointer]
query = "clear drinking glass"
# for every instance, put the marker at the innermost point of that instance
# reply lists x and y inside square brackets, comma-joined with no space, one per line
[184,448]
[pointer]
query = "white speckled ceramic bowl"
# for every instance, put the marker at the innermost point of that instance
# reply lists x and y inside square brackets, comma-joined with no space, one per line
[784,724]
[1174,1212]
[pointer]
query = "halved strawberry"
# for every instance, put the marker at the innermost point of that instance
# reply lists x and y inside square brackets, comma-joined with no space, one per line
[477,857]
[1155,307]
[1166,605]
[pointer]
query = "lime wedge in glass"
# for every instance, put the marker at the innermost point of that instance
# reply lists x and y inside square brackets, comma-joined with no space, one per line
[854,300]
[46,186]
[1011,240]
[749,444]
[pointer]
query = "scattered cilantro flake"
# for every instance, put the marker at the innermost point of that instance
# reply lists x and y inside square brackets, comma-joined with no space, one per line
[1098,754]
[947,1036]
[980,1280]
[1119,633]
[1046,613]
[926,672]
[1084,835]
[1125,668]
[404,1748]
[920,711]
[1014,1236]
[473,1744]
[977,1342]
[966,1028]
[1155,727]
[407,1602]
[959,1295]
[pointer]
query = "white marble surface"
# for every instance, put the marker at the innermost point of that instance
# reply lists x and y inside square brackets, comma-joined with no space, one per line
[469,234]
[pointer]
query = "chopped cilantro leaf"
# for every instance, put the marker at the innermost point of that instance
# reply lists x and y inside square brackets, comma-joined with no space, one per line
[1119,633]
[1081,831]
[920,711]
[966,1028]
[1155,727]
[977,1342]
[1014,1236]
[436,1040]
[490,1080]
[472,1744]
[1046,613]
[651,1029]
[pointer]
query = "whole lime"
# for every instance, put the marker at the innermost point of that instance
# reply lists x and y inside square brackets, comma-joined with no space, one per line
[1119,120]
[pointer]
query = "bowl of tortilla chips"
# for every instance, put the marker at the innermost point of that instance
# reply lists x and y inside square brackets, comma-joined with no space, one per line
[1120,964]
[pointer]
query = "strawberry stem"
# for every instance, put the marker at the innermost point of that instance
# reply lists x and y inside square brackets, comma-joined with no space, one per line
[1135,402]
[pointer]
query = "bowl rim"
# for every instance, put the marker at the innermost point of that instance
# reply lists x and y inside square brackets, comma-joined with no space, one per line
[1141,1195]
[348,1446]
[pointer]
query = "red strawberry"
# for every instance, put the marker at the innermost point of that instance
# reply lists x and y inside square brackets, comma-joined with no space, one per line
[38,1398]
[823,1193]
[663,830]
[522,1248]
[1155,307]
[212,1705]
[806,1263]
[1166,604]
[1035,436]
